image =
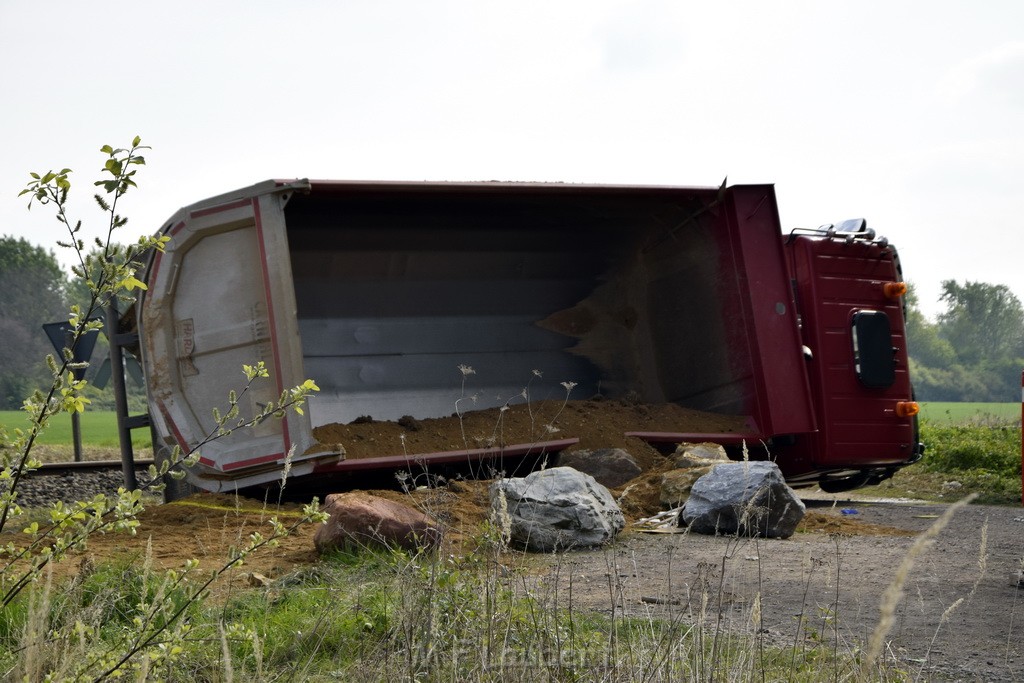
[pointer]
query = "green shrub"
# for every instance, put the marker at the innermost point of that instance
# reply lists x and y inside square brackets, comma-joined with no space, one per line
[961,448]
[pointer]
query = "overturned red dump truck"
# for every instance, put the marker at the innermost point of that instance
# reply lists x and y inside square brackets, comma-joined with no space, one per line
[379,290]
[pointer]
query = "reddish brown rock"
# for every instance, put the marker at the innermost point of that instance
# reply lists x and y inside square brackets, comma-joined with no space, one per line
[360,519]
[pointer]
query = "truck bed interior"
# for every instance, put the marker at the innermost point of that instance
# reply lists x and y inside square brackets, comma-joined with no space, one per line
[630,292]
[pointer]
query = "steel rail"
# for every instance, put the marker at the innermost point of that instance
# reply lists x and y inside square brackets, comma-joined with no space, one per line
[54,468]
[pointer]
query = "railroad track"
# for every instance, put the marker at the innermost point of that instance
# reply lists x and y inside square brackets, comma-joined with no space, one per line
[73,481]
[57,468]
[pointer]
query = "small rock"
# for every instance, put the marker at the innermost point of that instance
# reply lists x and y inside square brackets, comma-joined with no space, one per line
[676,484]
[360,519]
[611,467]
[699,454]
[257,580]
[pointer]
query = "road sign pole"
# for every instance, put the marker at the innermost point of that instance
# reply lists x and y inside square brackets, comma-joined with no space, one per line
[76,435]
[76,422]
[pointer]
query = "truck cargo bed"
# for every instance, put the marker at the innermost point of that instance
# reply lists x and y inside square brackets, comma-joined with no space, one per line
[426,299]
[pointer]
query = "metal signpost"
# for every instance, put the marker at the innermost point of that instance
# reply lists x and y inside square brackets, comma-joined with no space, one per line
[62,336]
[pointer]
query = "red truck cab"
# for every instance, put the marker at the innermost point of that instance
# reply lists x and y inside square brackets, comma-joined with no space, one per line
[848,286]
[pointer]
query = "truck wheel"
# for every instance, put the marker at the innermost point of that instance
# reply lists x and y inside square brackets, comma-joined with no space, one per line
[845,484]
[174,489]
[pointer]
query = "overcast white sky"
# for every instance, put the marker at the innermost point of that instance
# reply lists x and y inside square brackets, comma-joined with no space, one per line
[910,114]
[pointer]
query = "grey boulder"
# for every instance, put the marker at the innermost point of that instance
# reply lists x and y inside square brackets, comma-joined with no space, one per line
[555,509]
[743,498]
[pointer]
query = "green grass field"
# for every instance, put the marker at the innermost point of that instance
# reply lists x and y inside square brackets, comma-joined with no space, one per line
[970,413]
[99,428]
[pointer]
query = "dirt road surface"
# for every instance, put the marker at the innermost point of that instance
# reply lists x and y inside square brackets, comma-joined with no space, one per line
[831,585]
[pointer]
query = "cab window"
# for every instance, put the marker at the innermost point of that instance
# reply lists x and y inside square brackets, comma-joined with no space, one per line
[873,353]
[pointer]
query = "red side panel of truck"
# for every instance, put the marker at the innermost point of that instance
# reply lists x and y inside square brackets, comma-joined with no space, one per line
[783,400]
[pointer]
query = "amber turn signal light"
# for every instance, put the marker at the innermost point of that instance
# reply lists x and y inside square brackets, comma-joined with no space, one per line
[907,409]
[894,290]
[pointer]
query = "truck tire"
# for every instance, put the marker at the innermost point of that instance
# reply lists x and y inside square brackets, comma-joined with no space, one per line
[174,489]
[845,484]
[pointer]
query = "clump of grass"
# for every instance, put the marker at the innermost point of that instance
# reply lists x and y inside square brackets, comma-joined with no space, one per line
[964,448]
[980,459]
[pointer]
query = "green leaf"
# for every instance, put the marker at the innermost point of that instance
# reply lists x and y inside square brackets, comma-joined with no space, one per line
[136,141]
[131,282]
[107,149]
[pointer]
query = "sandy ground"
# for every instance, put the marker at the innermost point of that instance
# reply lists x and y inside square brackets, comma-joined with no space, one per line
[832,573]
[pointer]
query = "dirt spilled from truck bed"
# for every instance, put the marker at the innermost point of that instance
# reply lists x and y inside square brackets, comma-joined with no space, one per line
[596,423]
[205,525]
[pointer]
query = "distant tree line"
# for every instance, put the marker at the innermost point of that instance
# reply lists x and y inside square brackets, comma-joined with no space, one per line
[34,289]
[974,351]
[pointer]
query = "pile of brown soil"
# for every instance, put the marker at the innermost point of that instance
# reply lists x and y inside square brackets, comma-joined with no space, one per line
[816,521]
[597,424]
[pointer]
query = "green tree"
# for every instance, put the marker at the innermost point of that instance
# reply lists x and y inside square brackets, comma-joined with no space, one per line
[33,291]
[949,383]
[982,322]
[974,350]
[924,343]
